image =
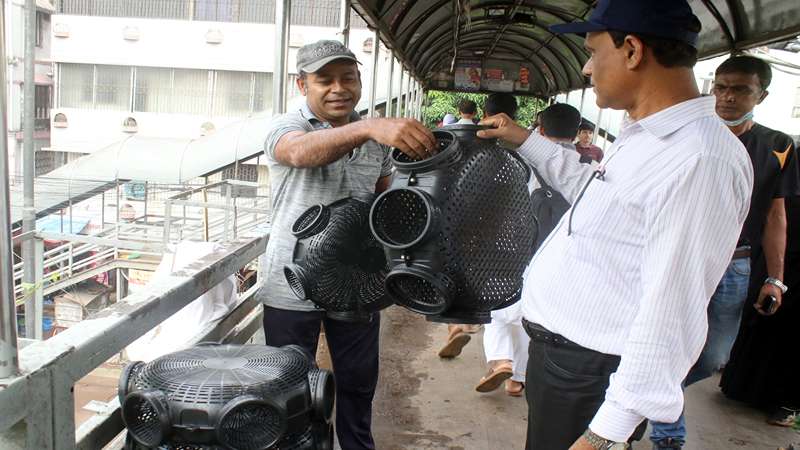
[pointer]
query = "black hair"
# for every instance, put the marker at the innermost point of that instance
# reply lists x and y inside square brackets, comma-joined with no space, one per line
[586,125]
[749,65]
[668,52]
[561,121]
[501,103]
[467,107]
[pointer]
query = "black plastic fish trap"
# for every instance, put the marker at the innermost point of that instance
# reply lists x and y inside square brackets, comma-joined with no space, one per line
[228,396]
[337,263]
[458,228]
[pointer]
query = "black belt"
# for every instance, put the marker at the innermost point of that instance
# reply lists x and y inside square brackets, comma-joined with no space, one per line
[541,334]
[741,252]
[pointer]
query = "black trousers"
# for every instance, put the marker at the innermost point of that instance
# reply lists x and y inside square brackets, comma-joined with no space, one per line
[354,352]
[565,385]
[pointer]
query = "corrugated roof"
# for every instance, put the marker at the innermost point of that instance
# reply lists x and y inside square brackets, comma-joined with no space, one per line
[505,36]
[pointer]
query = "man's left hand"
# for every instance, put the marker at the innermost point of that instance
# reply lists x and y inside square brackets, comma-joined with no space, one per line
[582,444]
[767,290]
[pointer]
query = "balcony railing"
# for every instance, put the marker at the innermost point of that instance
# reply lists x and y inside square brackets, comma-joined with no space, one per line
[322,13]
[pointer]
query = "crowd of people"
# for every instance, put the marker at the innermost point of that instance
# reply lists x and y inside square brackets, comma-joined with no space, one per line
[671,256]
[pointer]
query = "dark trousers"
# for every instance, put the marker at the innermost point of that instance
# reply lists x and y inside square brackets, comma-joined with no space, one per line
[565,386]
[354,352]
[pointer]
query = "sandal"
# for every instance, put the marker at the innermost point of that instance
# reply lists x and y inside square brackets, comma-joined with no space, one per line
[495,377]
[456,341]
[784,417]
[514,392]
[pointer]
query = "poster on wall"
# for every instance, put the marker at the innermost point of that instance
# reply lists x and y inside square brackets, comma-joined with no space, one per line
[468,75]
[495,80]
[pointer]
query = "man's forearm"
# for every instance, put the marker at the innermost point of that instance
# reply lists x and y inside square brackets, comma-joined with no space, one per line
[321,147]
[774,239]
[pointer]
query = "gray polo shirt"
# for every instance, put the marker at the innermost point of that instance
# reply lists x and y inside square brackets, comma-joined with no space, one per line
[293,190]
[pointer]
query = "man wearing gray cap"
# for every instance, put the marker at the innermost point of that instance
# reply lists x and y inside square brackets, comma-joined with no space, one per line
[318,154]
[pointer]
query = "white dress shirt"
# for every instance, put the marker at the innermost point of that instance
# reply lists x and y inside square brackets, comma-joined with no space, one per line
[650,241]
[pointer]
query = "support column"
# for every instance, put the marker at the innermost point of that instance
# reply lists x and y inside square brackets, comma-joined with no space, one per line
[399,109]
[9,362]
[28,161]
[344,22]
[283,9]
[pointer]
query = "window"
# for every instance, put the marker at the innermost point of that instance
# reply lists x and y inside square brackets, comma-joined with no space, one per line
[112,87]
[76,86]
[262,92]
[164,90]
[232,93]
[42,104]
[214,10]
[40,28]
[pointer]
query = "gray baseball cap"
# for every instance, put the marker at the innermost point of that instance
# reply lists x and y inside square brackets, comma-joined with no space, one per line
[312,57]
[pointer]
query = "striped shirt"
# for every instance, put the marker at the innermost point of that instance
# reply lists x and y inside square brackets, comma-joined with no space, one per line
[650,240]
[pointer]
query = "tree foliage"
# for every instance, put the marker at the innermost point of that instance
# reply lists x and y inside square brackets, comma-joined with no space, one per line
[439,103]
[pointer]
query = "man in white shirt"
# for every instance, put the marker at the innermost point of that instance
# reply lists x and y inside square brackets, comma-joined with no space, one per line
[651,231]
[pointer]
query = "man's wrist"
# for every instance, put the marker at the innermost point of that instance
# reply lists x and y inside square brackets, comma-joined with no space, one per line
[777,283]
[600,443]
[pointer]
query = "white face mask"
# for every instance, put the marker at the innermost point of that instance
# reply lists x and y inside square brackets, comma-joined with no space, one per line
[739,121]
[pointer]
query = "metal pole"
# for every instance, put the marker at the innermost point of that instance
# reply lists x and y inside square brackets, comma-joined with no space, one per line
[583,98]
[28,161]
[399,110]
[389,92]
[8,310]
[283,9]
[420,102]
[344,21]
[406,112]
[597,125]
[373,88]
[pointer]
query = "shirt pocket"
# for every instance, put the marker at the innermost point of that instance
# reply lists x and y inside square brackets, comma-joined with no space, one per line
[363,169]
[590,213]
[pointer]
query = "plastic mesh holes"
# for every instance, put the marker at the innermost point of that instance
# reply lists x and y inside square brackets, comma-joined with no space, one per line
[294,281]
[312,221]
[403,229]
[251,426]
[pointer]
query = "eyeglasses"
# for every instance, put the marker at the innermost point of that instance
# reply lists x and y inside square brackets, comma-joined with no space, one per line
[600,174]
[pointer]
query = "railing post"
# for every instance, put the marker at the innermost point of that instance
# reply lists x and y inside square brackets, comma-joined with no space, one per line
[227,188]
[167,220]
[399,109]
[8,319]
[373,88]
[389,91]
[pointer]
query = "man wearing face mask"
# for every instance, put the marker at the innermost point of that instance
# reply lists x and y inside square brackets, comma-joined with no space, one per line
[318,154]
[740,84]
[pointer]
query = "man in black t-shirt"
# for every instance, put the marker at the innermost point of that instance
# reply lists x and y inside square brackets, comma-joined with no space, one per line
[740,84]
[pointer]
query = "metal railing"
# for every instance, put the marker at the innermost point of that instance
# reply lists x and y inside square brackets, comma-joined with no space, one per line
[38,405]
[215,212]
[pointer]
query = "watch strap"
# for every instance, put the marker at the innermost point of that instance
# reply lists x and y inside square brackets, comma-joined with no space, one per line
[777,283]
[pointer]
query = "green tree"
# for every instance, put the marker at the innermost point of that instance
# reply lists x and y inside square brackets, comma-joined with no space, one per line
[439,103]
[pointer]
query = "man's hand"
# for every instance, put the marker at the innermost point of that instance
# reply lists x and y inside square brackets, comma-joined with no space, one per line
[504,128]
[767,290]
[408,135]
[581,444]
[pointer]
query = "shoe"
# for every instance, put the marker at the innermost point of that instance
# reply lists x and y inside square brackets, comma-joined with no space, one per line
[784,417]
[667,444]
[495,377]
[456,341]
[514,388]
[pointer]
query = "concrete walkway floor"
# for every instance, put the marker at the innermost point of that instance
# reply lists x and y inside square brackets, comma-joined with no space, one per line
[424,402]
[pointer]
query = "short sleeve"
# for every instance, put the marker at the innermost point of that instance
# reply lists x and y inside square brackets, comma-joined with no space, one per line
[790,172]
[281,125]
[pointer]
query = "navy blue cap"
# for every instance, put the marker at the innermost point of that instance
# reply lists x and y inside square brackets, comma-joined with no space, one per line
[669,19]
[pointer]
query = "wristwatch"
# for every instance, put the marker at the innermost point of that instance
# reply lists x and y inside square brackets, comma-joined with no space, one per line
[601,443]
[777,283]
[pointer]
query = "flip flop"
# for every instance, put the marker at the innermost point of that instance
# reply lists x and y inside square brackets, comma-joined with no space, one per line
[455,343]
[515,392]
[494,378]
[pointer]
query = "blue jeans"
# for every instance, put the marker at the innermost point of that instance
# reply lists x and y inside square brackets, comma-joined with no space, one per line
[724,315]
